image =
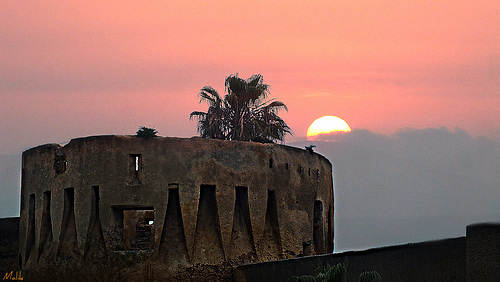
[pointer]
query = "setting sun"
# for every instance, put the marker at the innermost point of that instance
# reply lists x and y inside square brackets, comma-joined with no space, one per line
[326,125]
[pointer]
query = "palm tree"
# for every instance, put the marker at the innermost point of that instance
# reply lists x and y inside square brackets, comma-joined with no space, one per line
[244,114]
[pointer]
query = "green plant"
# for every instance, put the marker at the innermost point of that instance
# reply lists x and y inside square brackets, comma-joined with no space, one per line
[145,132]
[336,273]
[370,276]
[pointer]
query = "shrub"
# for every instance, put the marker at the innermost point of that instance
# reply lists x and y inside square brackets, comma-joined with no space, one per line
[145,132]
[336,273]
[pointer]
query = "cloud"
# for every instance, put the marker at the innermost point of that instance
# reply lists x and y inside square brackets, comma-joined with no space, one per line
[414,185]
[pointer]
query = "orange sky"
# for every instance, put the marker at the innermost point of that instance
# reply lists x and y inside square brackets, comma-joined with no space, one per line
[107,67]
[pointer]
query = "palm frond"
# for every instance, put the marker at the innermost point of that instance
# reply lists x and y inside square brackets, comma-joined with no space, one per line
[196,114]
[209,95]
[274,105]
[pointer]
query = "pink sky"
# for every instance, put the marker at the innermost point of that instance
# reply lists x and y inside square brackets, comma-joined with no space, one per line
[69,70]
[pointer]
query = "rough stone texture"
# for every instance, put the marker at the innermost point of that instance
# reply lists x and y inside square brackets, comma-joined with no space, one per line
[96,203]
[9,245]
[483,252]
[442,260]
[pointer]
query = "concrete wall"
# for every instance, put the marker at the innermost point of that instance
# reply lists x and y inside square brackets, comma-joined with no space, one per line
[213,201]
[429,261]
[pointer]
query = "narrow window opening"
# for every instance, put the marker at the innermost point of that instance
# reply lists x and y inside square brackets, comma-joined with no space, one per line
[286,166]
[208,246]
[242,243]
[30,240]
[318,228]
[46,226]
[135,169]
[22,188]
[329,244]
[271,163]
[173,239]
[272,237]
[95,245]
[309,171]
[68,242]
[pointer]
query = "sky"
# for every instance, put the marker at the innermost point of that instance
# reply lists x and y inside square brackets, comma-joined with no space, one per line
[70,69]
[411,186]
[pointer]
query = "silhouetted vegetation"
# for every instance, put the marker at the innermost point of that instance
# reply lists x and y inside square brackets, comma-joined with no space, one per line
[336,273]
[310,148]
[243,114]
[145,132]
[370,276]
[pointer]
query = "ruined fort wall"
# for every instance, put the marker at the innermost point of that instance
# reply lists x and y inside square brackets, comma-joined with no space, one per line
[212,200]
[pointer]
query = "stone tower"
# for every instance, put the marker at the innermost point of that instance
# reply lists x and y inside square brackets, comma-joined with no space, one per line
[125,208]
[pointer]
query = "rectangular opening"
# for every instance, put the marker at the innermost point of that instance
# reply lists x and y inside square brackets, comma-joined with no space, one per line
[138,229]
[134,228]
[135,169]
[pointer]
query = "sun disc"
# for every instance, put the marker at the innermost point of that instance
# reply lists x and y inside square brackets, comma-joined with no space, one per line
[327,125]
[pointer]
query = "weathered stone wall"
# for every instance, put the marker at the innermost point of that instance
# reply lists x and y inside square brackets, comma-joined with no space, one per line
[207,202]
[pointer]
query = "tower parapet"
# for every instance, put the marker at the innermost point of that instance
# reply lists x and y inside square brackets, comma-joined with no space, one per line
[155,207]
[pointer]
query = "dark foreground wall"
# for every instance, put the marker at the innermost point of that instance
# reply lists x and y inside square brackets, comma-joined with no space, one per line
[475,257]
[9,245]
[429,261]
[483,252]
